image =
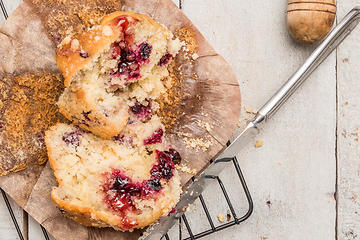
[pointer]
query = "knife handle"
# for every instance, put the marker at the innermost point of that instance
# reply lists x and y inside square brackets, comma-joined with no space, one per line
[334,38]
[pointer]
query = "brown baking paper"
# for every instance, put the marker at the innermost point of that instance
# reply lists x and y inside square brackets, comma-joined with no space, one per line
[208,95]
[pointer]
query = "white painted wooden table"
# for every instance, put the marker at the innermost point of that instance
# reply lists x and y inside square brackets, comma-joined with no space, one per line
[305,179]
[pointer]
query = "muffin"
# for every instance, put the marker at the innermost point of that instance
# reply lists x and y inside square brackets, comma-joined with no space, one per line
[112,183]
[111,67]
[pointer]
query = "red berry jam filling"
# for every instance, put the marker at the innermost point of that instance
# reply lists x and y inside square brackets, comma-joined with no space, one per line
[165,168]
[174,156]
[130,59]
[125,23]
[120,190]
[165,59]
[154,184]
[145,50]
[129,55]
[155,138]
[172,211]
[73,138]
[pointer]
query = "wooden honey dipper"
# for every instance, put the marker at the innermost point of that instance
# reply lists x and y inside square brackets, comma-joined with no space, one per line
[309,21]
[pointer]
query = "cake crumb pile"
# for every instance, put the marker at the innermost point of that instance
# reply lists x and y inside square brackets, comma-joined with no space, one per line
[28,109]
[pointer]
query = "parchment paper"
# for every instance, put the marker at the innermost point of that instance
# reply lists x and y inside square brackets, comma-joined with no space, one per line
[31,84]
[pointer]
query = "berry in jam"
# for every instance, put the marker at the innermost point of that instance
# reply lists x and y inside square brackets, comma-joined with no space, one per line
[165,59]
[130,59]
[124,185]
[136,109]
[155,184]
[167,170]
[120,190]
[163,170]
[145,50]
[142,111]
[163,157]
[155,138]
[174,156]
[165,167]
[129,55]
[120,183]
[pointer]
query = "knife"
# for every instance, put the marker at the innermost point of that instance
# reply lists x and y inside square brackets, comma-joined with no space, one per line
[334,38]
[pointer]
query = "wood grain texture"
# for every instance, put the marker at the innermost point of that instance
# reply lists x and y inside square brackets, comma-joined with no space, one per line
[330,2]
[35,231]
[2,19]
[294,199]
[7,230]
[292,176]
[348,130]
[309,23]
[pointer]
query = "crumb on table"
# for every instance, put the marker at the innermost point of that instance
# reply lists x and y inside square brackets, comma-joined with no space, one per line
[186,169]
[259,143]
[221,217]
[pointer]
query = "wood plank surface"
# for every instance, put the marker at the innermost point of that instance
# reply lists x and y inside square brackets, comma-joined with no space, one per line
[348,56]
[310,146]
[292,176]
[35,231]
[7,229]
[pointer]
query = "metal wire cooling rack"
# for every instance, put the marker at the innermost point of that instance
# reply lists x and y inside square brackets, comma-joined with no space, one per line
[183,221]
[231,214]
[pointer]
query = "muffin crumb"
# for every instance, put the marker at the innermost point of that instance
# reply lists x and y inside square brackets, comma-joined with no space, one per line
[220,217]
[259,143]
